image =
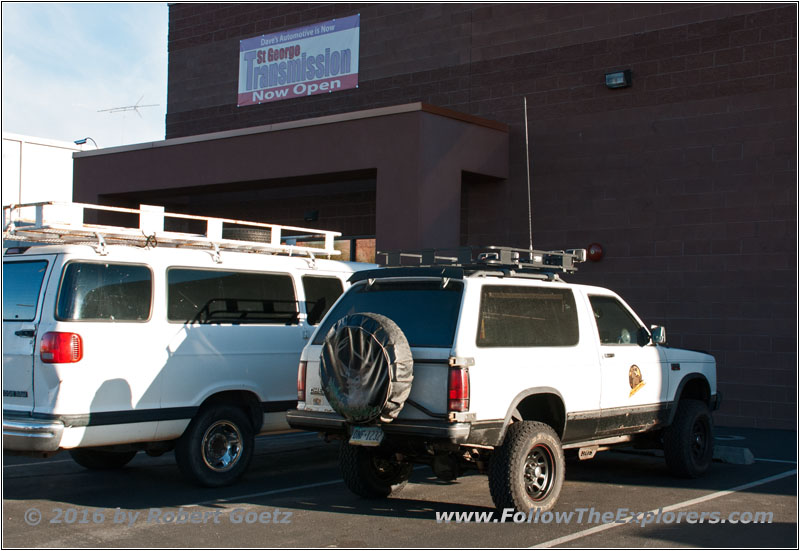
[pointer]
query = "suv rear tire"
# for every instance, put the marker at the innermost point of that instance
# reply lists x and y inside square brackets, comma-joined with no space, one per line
[689,440]
[371,472]
[527,470]
[217,447]
[101,460]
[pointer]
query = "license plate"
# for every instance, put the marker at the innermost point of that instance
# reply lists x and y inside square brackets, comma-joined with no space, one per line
[366,436]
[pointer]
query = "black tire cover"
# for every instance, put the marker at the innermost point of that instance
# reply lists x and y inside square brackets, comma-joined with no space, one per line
[366,368]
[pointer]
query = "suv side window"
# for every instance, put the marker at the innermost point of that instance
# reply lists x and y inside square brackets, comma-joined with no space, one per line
[321,293]
[615,324]
[105,292]
[527,316]
[216,296]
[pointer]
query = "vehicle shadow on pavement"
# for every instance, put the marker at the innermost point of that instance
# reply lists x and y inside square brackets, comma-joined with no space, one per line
[642,470]
[775,535]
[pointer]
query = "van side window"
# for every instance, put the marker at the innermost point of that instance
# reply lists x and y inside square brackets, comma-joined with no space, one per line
[527,316]
[321,293]
[615,324]
[105,292]
[22,282]
[215,296]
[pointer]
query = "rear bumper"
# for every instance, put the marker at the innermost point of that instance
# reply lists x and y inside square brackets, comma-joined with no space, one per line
[429,430]
[31,435]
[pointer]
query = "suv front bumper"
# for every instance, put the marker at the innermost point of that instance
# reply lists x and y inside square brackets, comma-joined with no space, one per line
[25,434]
[428,430]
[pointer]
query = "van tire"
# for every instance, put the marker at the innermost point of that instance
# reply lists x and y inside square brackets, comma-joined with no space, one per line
[372,473]
[216,448]
[527,470]
[101,460]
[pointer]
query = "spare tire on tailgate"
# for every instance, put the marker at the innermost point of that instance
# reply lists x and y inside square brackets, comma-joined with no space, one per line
[366,368]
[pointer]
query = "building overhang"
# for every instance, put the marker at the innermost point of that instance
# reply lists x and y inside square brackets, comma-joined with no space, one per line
[418,151]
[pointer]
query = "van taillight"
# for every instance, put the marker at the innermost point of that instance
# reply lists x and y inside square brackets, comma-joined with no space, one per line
[458,389]
[61,348]
[301,382]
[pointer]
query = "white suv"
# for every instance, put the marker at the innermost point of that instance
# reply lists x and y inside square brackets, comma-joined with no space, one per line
[163,340]
[494,363]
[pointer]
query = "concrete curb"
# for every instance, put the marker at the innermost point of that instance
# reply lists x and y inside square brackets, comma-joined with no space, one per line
[733,455]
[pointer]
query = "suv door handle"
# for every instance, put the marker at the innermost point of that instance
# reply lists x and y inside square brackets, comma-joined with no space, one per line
[608,355]
[27,333]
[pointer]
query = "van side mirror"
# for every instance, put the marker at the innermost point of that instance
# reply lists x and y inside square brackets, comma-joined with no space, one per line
[658,334]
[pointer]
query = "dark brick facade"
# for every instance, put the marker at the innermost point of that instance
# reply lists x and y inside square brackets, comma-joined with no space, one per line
[688,178]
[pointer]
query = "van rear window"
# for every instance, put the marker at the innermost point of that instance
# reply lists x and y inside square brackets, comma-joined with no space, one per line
[321,293]
[22,283]
[216,296]
[105,292]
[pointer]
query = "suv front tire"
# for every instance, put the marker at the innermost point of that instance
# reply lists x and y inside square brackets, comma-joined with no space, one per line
[689,440]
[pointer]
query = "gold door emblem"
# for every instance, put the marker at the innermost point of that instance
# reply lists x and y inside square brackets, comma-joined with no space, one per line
[635,379]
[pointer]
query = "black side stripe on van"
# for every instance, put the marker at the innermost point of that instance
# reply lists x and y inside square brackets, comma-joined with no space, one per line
[276,407]
[105,418]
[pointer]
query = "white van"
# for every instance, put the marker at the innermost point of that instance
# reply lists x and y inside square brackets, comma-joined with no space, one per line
[117,340]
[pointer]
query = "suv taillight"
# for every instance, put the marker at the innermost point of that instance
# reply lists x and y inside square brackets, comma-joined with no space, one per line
[301,382]
[458,389]
[61,348]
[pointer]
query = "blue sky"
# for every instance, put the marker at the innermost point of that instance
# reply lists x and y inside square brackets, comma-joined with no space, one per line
[63,62]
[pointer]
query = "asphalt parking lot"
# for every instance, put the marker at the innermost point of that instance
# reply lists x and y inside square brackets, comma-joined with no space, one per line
[293,497]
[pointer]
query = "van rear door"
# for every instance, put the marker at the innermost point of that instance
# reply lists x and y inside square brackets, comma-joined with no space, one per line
[24,280]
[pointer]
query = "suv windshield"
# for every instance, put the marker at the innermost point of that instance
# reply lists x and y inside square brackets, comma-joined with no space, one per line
[426,311]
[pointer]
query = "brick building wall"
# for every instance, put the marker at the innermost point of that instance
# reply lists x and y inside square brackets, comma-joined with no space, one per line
[687,179]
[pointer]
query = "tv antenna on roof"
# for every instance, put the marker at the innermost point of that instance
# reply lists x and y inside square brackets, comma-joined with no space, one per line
[134,107]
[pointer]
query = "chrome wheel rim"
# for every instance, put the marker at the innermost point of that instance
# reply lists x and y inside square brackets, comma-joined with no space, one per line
[222,446]
[539,472]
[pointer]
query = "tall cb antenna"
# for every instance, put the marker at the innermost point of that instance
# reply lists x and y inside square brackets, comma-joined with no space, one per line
[528,167]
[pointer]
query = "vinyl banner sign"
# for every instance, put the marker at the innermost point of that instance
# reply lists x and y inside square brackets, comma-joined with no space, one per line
[317,59]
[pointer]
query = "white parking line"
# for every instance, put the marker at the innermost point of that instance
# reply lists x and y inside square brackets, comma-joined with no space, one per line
[681,505]
[36,463]
[777,461]
[279,491]
[267,493]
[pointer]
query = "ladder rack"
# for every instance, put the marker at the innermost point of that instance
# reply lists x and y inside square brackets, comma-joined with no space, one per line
[487,258]
[65,223]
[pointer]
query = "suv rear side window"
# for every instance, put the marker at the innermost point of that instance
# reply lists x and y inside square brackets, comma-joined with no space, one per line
[425,311]
[216,296]
[105,292]
[321,293]
[22,284]
[527,316]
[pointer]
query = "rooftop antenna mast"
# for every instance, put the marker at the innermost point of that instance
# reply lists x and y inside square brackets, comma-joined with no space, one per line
[528,167]
[135,107]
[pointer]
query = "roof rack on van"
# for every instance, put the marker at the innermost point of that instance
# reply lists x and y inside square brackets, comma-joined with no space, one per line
[491,258]
[66,223]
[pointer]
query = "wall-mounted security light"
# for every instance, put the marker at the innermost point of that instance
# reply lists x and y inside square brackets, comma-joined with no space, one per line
[620,79]
[84,140]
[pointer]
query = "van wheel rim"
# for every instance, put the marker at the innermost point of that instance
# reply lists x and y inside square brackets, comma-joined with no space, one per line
[222,446]
[539,475]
